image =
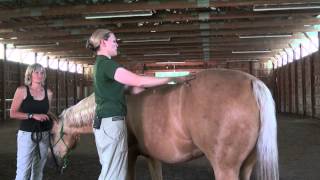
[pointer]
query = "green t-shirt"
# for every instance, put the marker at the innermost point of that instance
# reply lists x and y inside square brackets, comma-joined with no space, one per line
[109,93]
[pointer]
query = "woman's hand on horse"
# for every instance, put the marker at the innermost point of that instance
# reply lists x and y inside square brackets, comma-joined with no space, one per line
[40,117]
[183,79]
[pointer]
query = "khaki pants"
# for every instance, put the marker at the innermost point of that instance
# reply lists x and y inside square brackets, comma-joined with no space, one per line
[112,147]
[29,164]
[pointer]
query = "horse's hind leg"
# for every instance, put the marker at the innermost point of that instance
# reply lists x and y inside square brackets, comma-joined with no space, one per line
[225,173]
[224,169]
[155,168]
[248,165]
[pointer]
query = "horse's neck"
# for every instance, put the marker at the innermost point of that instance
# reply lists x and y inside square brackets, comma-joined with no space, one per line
[78,130]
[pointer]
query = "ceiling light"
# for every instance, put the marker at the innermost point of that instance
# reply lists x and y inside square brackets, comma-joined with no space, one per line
[249,52]
[2,30]
[163,54]
[264,36]
[22,46]
[147,40]
[14,38]
[171,62]
[279,7]
[253,60]
[76,57]
[119,14]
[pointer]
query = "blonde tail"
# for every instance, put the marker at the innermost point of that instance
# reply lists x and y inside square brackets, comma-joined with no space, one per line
[267,148]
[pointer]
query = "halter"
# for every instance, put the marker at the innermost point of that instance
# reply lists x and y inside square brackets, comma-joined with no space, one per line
[65,157]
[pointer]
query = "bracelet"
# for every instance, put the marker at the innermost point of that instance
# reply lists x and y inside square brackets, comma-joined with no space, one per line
[30,115]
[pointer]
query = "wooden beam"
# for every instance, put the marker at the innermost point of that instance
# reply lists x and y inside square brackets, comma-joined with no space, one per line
[159,17]
[76,39]
[109,7]
[220,28]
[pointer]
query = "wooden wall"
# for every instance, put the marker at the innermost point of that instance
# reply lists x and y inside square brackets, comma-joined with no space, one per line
[68,88]
[297,86]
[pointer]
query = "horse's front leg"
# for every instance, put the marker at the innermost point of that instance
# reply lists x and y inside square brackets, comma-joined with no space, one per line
[133,153]
[155,168]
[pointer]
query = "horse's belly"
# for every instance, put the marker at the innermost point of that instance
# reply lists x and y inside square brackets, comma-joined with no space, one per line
[171,151]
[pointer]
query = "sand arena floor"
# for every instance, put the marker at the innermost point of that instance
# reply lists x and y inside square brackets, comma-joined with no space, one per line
[299,152]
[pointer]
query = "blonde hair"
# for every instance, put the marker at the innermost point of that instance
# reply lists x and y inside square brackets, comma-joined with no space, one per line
[94,41]
[30,69]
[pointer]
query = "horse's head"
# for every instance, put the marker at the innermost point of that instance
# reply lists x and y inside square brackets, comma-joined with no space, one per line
[62,141]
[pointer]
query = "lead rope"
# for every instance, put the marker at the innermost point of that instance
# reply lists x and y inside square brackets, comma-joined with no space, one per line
[52,153]
[36,137]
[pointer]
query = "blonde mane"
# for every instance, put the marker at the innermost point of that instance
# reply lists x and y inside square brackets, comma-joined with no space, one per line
[80,114]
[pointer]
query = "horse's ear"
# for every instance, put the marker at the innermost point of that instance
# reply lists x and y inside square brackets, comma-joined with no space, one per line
[53,116]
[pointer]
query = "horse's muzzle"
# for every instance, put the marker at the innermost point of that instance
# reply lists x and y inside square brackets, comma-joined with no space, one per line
[54,162]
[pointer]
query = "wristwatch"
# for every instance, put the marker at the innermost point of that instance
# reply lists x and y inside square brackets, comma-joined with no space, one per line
[30,115]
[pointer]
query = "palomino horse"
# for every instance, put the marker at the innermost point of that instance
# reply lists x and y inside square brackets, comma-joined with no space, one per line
[227,115]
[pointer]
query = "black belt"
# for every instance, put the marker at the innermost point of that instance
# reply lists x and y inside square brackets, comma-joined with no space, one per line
[117,118]
[97,120]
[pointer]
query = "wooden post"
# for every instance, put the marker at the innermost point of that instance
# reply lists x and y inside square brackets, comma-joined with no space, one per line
[296,88]
[4,77]
[75,86]
[319,40]
[312,79]
[20,74]
[84,82]
[251,67]
[57,90]
[279,85]
[290,83]
[36,57]
[283,86]
[303,69]
[66,84]
[275,86]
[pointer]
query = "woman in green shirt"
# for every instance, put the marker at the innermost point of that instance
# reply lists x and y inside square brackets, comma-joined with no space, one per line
[110,80]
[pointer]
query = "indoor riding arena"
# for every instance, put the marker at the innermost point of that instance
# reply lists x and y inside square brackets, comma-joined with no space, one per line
[275,41]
